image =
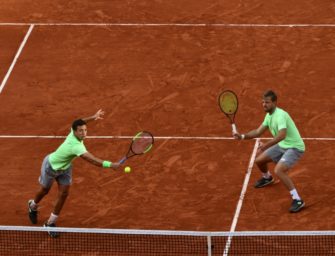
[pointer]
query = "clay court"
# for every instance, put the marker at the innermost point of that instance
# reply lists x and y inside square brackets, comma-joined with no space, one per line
[160,66]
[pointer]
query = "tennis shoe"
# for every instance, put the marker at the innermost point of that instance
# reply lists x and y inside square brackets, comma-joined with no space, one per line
[52,234]
[32,213]
[264,182]
[297,205]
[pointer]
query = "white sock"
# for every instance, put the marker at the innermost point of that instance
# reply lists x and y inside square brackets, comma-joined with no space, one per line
[267,175]
[53,218]
[295,195]
[33,205]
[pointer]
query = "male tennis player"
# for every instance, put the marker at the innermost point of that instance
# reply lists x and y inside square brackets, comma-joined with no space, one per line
[285,149]
[58,166]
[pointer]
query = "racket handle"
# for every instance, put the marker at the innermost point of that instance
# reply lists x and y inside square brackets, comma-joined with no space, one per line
[233,126]
[122,160]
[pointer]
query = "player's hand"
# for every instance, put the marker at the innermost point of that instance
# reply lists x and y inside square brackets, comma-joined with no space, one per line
[115,165]
[261,148]
[99,114]
[237,136]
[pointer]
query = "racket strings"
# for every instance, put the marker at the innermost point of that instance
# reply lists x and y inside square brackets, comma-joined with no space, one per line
[228,103]
[142,143]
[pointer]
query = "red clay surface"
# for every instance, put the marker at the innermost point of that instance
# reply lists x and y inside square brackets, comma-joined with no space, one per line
[267,209]
[10,40]
[159,11]
[166,80]
[182,185]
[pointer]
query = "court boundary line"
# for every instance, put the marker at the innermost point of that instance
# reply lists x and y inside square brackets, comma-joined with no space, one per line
[93,24]
[156,137]
[242,195]
[17,55]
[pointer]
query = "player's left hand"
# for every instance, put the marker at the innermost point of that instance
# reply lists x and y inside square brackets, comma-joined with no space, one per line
[99,114]
[261,148]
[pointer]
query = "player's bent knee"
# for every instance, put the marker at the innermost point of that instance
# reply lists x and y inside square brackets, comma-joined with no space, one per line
[260,161]
[281,169]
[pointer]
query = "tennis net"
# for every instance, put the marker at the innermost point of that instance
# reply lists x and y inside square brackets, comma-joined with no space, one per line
[22,240]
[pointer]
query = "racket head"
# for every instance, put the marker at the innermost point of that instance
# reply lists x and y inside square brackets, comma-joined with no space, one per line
[142,143]
[228,102]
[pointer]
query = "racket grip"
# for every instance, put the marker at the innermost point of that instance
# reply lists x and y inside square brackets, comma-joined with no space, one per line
[233,126]
[122,160]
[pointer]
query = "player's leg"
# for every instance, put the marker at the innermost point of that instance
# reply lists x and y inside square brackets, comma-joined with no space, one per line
[64,182]
[290,157]
[262,162]
[46,180]
[40,194]
[281,171]
[272,154]
[63,192]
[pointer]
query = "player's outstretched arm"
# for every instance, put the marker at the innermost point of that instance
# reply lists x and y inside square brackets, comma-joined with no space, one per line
[98,162]
[252,134]
[98,115]
[280,136]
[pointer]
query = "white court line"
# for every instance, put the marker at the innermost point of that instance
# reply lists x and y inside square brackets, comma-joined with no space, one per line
[16,58]
[130,137]
[240,201]
[167,24]
[112,137]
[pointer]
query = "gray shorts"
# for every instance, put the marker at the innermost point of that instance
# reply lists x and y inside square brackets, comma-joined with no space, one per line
[288,156]
[48,175]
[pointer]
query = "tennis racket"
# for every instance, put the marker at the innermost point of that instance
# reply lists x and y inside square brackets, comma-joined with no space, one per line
[228,103]
[140,144]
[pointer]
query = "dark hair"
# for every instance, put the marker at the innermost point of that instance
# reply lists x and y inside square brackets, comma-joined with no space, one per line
[76,123]
[270,94]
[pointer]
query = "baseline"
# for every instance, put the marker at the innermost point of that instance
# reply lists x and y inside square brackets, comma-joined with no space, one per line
[170,25]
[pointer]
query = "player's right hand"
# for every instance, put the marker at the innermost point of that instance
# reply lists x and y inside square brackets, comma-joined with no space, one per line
[237,136]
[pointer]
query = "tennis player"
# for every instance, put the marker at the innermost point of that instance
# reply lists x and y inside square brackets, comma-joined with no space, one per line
[285,149]
[58,166]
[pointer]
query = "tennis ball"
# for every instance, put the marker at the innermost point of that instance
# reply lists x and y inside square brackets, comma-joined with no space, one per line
[127,169]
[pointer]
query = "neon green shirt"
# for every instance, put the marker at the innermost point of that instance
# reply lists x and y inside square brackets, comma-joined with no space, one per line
[280,119]
[72,147]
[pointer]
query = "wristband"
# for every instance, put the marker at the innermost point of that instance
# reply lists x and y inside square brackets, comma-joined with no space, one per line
[106,164]
[242,136]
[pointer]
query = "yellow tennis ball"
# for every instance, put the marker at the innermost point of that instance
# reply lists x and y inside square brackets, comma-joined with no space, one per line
[127,169]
